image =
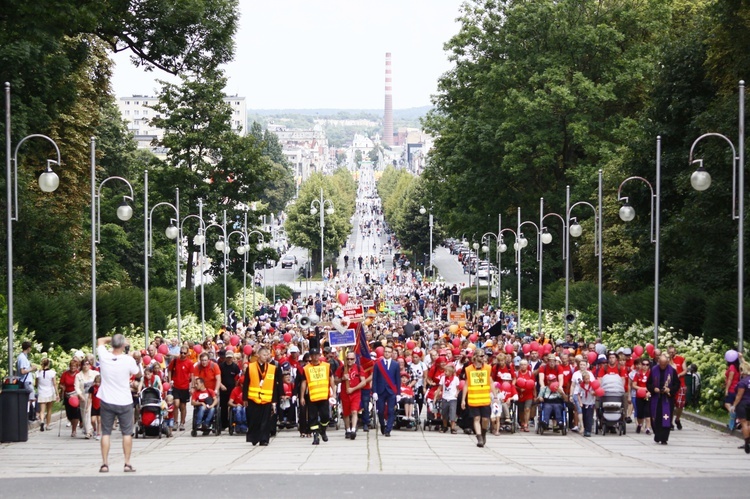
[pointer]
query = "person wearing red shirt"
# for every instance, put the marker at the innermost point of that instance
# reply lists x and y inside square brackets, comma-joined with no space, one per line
[678,362]
[237,406]
[352,380]
[550,372]
[525,394]
[205,401]
[67,387]
[642,371]
[287,410]
[209,371]
[96,405]
[181,373]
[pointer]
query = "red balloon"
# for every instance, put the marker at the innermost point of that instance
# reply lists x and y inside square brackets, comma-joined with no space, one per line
[506,387]
[599,392]
[650,349]
[287,337]
[554,386]
[548,348]
[509,348]
[146,360]
[73,401]
[526,348]
[535,346]
[166,387]
[343,298]
[379,351]
[144,352]
[473,337]
[637,350]
[595,384]
[521,383]
[591,356]
[456,342]
[197,349]
[247,350]
[461,385]
[159,358]
[234,340]
[455,351]
[163,349]
[641,393]
[410,345]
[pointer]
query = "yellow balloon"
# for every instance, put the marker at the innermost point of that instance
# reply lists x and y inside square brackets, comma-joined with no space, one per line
[453,329]
[464,333]
[368,322]
[471,346]
[461,324]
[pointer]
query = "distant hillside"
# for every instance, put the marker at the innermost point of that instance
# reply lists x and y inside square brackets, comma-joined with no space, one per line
[402,114]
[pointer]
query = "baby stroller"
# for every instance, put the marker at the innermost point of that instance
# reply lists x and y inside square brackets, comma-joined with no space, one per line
[610,413]
[150,417]
[433,419]
[401,419]
[511,427]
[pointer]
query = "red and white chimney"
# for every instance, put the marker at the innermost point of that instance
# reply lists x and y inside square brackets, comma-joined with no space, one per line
[388,114]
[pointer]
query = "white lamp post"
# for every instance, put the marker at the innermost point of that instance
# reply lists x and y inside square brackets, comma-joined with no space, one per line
[48,182]
[423,210]
[124,213]
[627,214]
[701,180]
[546,238]
[322,203]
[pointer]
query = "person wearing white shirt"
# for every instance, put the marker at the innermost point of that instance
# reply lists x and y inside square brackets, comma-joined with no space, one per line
[448,392]
[575,382]
[116,368]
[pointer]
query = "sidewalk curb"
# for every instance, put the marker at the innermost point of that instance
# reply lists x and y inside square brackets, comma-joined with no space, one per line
[712,423]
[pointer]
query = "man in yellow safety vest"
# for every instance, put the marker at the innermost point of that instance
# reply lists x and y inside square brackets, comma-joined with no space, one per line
[477,391]
[318,379]
[261,391]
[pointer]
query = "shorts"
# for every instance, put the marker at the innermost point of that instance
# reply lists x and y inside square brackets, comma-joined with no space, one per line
[123,413]
[742,411]
[526,404]
[182,395]
[483,411]
[96,412]
[448,410]
[729,399]
[407,400]
[350,402]
[679,402]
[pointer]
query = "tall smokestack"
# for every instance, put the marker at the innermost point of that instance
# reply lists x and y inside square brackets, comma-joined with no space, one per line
[388,115]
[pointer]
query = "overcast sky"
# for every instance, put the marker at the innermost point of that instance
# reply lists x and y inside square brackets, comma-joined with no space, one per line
[327,53]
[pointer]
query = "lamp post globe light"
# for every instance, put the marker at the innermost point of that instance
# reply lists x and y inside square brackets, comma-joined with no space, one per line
[701,180]
[627,214]
[325,206]
[575,230]
[247,249]
[502,248]
[48,182]
[124,213]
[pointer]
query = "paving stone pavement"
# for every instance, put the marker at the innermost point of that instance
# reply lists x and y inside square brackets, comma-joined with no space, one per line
[693,452]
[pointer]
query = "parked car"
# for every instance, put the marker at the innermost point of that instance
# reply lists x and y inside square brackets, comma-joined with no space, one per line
[288,261]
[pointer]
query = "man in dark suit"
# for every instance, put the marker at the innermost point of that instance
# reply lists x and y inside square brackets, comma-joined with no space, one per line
[386,384]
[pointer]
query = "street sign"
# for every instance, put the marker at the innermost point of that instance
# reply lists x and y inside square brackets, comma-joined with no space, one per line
[457,316]
[354,312]
[345,339]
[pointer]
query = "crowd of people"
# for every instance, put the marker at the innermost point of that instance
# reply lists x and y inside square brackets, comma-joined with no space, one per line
[421,359]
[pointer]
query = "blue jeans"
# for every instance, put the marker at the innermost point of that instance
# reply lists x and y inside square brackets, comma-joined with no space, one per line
[548,409]
[365,405]
[204,416]
[238,413]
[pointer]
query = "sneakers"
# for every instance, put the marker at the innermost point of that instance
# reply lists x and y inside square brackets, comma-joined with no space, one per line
[353,435]
[678,424]
[648,431]
[638,429]
[182,427]
[348,435]
[586,433]
[575,429]
[365,428]
[628,420]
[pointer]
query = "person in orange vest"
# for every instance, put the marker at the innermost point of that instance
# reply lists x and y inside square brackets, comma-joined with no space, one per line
[319,382]
[261,392]
[478,392]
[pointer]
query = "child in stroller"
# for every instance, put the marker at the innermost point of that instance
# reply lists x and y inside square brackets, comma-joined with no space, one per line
[405,403]
[150,416]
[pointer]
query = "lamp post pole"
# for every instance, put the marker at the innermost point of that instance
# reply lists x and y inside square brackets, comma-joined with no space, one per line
[222,246]
[48,182]
[181,231]
[313,211]
[524,242]
[575,230]
[627,213]
[546,238]
[124,213]
[502,248]
[701,180]
[171,232]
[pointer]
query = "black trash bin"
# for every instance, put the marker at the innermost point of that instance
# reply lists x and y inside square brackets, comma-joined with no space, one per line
[14,402]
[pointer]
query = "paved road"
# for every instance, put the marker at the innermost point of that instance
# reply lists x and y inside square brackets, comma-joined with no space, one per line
[695,452]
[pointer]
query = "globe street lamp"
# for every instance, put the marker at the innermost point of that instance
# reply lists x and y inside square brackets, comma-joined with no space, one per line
[627,214]
[322,203]
[48,182]
[124,213]
[261,237]
[546,238]
[222,246]
[502,248]
[423,210]
[575,230]
[701,180]
[539,242]
[172,232]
